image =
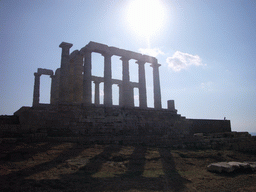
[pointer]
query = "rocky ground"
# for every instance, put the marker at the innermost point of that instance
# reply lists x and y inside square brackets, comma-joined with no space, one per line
[75,167]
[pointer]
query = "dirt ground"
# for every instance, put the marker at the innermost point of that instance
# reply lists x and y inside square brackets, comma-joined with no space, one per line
[75,167]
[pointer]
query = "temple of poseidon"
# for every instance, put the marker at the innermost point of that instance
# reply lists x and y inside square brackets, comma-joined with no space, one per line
[71,111]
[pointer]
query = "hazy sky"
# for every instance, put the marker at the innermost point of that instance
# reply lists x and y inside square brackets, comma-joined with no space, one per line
[207,50]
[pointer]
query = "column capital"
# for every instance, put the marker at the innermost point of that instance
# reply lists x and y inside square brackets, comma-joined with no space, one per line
[125,58]
[120,84]
[107,54]
[37,74]
[140,62]
[155,65]
[65,45]
[96,82]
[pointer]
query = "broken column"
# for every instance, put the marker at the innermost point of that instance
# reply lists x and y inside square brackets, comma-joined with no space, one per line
[107,80]
[171,105]
[64,73]
[156,82]
[142,85]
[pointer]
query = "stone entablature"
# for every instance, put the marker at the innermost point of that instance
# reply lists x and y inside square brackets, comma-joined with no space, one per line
[72,82]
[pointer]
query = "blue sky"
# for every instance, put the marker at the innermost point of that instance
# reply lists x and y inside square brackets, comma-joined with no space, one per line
[206,49]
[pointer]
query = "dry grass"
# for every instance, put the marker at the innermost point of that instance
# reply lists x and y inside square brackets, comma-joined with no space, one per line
[74,167]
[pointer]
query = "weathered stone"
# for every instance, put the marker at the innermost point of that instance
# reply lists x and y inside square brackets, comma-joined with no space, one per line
[220,167]
[229,167]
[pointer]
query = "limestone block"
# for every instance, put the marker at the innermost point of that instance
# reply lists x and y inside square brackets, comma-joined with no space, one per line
[229,167]
[98,47]
[220,167]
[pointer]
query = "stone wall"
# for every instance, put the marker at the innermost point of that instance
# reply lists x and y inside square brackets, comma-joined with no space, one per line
[77,119]
[209,126]
[89,120]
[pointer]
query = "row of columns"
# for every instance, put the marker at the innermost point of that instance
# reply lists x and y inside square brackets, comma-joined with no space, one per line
[126,97]
[126,90]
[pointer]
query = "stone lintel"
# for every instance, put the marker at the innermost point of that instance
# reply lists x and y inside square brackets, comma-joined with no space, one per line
[114,81]
[45,71]
[149,59]
[104,49]
[97,47]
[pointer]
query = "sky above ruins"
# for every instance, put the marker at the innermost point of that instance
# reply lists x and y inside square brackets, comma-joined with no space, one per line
[206,49]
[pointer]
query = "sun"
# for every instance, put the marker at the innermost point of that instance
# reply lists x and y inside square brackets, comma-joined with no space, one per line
[146,17]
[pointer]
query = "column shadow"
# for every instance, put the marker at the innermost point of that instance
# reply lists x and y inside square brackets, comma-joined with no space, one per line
[132,179]
[84,178]
[173,180]
[137,162]
[15,178]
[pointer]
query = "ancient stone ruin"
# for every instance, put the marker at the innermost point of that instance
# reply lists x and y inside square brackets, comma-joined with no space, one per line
[72,113]
[71,83]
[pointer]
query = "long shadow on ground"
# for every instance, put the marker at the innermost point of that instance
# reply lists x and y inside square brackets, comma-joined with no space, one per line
[15,180]
[173,180]
[84,178]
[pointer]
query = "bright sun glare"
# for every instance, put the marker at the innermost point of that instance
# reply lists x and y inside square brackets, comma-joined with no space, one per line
[146,17]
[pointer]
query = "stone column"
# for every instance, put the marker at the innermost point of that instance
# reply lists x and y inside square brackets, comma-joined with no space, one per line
[53,90]
[142,85]
[78,76]
[36,89]
[156,82]
[120,94]
[97,93]
[126,89]
[87,85]
[107,80]
[64,73]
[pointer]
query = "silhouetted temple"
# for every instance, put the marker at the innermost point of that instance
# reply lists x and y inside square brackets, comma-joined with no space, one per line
[71,109]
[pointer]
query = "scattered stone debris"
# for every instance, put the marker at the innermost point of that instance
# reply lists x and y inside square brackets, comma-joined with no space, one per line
[230,167]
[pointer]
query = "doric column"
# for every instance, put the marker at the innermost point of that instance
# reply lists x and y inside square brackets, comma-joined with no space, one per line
[64,73]
[142,85]
[120,94]
[126,88]
[78,79]
[107,80]
[97,93]
[87,85]
[53,90]
[36,94]
[156,82]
